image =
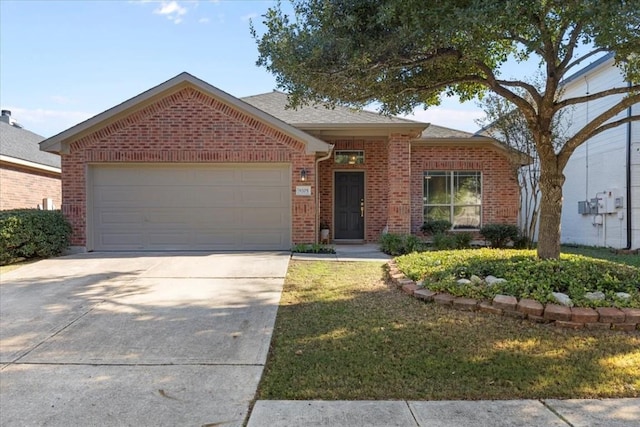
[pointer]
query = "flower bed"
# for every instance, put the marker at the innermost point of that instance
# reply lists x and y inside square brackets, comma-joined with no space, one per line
[516,284]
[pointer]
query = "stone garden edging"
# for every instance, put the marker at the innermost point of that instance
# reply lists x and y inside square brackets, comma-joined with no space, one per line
[607,318]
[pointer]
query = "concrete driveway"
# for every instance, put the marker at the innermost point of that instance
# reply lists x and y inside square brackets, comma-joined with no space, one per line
[136,338]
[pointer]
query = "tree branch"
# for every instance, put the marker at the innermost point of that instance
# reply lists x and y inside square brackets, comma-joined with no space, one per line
[524,85]
[583,58]
[527,110]
[592,97]
[596,126]
[573,40]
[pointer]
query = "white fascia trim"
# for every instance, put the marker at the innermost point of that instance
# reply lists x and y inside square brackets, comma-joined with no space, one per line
[29,164]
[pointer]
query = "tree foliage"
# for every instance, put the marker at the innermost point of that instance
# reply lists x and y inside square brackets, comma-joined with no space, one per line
[406,53]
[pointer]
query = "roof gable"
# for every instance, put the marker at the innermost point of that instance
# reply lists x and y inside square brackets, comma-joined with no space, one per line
[60,143]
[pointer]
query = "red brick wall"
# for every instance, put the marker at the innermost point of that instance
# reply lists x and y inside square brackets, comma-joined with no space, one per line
[25,188]
[499,187]
[390,197]
[400,167]
[186,127]
[376,184]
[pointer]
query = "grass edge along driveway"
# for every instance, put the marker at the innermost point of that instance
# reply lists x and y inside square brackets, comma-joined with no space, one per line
[342,333]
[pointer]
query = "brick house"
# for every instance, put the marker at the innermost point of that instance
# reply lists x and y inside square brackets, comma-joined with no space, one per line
[185,165]
[27,175]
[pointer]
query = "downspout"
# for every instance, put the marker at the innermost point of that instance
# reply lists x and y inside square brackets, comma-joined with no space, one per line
[317,181]
[586,146]
[628,196]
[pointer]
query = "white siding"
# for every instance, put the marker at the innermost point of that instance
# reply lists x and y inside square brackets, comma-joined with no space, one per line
[599,165]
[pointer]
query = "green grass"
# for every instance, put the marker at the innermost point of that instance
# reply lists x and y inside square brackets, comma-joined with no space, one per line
[342,333]
[10,267]
[603,253]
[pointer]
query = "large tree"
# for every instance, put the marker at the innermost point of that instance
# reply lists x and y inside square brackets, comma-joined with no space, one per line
[505,123]
[405,53]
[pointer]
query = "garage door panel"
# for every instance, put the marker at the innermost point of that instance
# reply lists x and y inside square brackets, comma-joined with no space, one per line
[191,207]
[130,240]
[219,176]
[168,239]
[267,197]
[268,218]
[263,177]
[121,217]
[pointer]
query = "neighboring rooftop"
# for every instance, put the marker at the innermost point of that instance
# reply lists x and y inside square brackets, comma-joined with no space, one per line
[587,68]
[435,131]
[19,143]
[275,103]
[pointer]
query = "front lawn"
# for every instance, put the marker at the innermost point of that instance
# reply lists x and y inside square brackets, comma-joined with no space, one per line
[342,333]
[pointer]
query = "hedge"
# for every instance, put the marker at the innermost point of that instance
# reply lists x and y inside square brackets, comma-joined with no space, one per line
[31,233]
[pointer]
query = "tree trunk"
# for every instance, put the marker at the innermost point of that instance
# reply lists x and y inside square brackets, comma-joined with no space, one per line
[551,180]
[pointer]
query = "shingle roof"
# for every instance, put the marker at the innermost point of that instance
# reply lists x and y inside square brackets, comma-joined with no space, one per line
[435,131]
[275,104]
[22,144]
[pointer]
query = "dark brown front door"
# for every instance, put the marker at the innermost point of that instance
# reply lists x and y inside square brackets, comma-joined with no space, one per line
[349,205]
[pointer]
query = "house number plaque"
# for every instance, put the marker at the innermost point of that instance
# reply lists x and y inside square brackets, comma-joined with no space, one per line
[303,190]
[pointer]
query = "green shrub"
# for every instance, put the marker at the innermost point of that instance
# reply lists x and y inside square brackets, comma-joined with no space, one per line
[312,248]
[499,235]
[463,240]
[31,233]
[437,226]
[526,276]
[400,244]
[444,241]
[458,240]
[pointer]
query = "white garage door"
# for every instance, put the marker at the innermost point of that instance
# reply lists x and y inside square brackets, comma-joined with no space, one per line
[190,207]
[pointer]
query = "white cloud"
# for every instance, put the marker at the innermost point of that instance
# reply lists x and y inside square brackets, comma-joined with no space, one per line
[203,20]
[460,119]
[172,10]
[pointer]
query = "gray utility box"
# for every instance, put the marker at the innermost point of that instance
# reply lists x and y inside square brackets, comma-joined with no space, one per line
[586,207]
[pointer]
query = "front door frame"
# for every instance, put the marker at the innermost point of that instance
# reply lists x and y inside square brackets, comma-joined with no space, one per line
[361,238]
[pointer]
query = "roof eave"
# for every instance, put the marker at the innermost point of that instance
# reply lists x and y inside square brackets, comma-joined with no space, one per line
[362,129]
[59,143]
[29,164]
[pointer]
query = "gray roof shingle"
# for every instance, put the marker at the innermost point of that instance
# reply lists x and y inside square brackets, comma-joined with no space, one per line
[24,145]
[435,131]
[275,104]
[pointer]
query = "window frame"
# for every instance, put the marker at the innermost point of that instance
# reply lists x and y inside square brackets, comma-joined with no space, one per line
[357,154]
[451,177]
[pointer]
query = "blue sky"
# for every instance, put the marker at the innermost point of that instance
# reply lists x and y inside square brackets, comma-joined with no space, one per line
[62,62]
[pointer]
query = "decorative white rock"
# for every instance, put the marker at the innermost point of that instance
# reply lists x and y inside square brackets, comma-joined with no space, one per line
[563,299]
[623,295]
[492,280]
[594,296]
[463,281]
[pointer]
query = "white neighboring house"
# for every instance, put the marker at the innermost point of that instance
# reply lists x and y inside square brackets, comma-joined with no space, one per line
[601,205]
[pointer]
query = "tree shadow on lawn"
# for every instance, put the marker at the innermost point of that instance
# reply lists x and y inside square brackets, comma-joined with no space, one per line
[372,342]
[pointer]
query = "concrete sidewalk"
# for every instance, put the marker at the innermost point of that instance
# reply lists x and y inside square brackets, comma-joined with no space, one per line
[496,413]
[367,252]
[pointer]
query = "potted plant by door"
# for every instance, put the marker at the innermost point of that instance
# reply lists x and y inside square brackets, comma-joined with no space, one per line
[324,232]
